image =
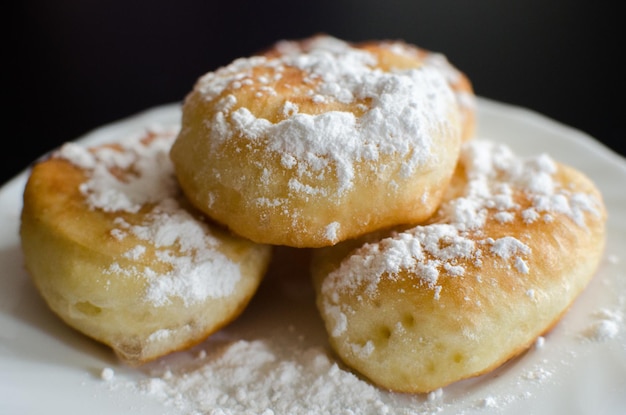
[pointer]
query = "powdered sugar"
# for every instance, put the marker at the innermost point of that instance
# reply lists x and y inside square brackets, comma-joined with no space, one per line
[108,192]
[107,374]
[508,247]
[606,325]
[331,231]
[262,385]
[404,109]
[138,175]
[465,98]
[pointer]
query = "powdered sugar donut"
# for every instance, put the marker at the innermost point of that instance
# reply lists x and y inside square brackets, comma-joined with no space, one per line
[313,147]
[514,242]
[118,253]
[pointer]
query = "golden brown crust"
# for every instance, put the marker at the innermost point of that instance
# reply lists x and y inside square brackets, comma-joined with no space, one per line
[461,300]
[110,275]
[310,148]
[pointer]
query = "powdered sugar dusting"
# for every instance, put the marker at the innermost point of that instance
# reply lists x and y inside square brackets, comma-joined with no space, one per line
[465,98]
[108,192]
[248,377]
[136,175]
[508,247]
[606,325]
[332,230]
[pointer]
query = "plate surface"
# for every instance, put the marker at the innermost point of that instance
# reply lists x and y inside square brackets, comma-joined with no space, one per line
[274,359]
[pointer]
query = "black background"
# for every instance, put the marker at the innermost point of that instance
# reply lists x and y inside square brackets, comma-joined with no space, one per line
[74,65]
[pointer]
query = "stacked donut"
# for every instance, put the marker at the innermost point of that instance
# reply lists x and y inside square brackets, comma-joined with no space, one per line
[118,253]
[436,256]
[319,141]
[513,243]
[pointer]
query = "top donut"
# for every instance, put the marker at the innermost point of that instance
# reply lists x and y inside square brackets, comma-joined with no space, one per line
[315,141]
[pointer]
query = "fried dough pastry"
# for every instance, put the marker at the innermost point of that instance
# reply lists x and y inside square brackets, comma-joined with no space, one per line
[117,252]
[308,147]
[514,243]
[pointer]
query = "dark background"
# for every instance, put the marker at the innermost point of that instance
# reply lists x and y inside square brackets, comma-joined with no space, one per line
[75,65]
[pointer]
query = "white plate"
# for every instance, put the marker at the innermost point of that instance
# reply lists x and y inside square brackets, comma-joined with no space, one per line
[278,346]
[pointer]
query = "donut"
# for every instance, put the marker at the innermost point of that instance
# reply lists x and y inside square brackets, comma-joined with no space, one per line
[117,252]
[513,244]
[309,148]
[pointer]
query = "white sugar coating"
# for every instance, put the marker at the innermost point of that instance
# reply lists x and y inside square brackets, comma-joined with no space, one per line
[489,402]
[521,266]
[508,246]
[540,342]
[221,385]
[435,395]
[107,374]
[332,230]
[433,251]
[436,60]
[606,325]
[537,374]
[465,98]
[603,330]
[613,259]
[196,269]
[105,191]
[405,107]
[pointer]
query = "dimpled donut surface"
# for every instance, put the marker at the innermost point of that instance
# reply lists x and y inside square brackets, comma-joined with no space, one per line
[307,148]
[118,254]
[514,243]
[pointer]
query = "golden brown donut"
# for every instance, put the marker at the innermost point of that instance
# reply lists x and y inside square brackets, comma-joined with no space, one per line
[513,244]
[117,252]
[310,148]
